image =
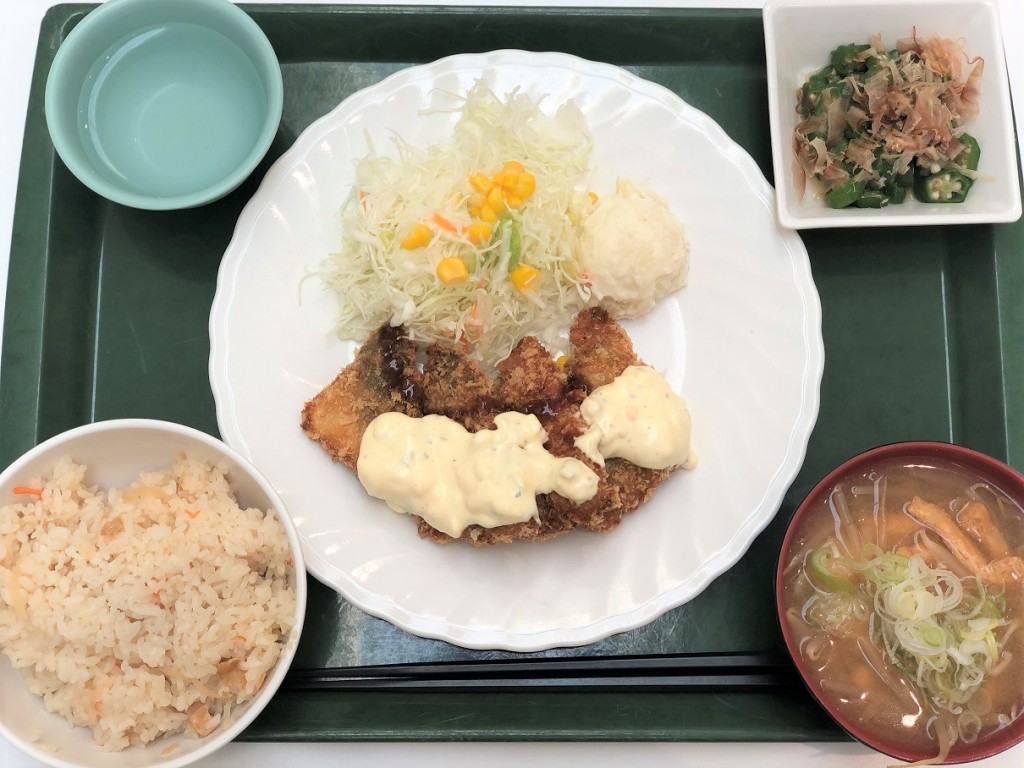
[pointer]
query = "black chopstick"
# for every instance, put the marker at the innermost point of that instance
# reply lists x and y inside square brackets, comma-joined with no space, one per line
[671,672]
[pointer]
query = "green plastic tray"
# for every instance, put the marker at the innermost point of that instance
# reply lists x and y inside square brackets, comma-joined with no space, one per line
[107,313]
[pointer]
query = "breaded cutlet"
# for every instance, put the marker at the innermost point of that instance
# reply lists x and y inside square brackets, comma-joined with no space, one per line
[454,385]
[382,378]
[601,351]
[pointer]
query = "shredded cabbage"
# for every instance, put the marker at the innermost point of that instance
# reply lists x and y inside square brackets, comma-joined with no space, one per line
[380,282]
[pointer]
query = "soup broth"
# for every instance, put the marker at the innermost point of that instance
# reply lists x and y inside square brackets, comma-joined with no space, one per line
[903,590]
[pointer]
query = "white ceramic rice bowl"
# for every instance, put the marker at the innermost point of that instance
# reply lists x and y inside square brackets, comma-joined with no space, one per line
[115,452]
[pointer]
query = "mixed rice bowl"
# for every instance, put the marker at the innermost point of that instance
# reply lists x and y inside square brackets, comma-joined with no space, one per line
[149,610]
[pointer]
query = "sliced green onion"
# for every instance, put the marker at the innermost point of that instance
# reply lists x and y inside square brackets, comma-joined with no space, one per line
[828,571]
[943,632]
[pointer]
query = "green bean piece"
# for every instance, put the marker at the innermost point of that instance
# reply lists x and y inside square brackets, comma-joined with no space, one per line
[810,93]
[844,194]
[844,59]
[882,166]
[819,81]
[841,90]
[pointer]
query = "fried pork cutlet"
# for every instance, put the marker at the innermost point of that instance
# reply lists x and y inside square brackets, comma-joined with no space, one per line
[454,385]
[601,351]
[382,378]
[528,378]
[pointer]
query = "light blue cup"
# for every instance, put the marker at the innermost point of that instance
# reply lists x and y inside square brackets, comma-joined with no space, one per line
[164,104]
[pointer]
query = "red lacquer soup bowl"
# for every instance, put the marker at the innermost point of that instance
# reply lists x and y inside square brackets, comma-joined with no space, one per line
[900,588]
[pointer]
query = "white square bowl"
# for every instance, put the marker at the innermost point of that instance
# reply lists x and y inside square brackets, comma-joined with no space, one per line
[800,35]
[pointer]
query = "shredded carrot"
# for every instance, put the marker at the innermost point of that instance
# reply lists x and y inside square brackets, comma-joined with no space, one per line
[593,197]
[26,491]
[447,224]
[193,513]
[362,199]
[241,638]
[473,329]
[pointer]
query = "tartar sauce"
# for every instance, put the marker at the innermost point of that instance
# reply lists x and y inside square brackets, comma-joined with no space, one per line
[639,418]
[452,478]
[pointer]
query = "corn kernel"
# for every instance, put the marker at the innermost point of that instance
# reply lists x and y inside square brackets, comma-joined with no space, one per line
[452,270]
[480,182]
[478,199]
[487,214]
[498,179]
[593,197]
[513,202]
[479,232]
[474,211]
[525,278]
[525,185]
[562,361]
[513,167]
[418,236]
[496,200]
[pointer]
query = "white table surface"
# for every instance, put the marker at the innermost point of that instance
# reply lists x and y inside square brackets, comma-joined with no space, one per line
[19,29]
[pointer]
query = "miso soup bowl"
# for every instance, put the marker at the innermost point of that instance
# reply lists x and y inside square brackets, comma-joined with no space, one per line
[164,104]
[989,470]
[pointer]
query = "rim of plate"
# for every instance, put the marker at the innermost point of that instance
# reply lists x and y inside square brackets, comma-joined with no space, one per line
[747,531]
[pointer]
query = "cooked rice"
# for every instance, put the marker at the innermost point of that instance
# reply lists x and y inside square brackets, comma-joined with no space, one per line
[143,611]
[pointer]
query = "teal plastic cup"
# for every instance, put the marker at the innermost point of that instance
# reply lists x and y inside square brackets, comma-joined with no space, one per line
[164,104]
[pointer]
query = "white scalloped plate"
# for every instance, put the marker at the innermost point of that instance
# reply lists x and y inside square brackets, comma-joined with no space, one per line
[742,342]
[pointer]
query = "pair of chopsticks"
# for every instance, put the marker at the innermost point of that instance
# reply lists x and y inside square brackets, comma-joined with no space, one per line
[690,672]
